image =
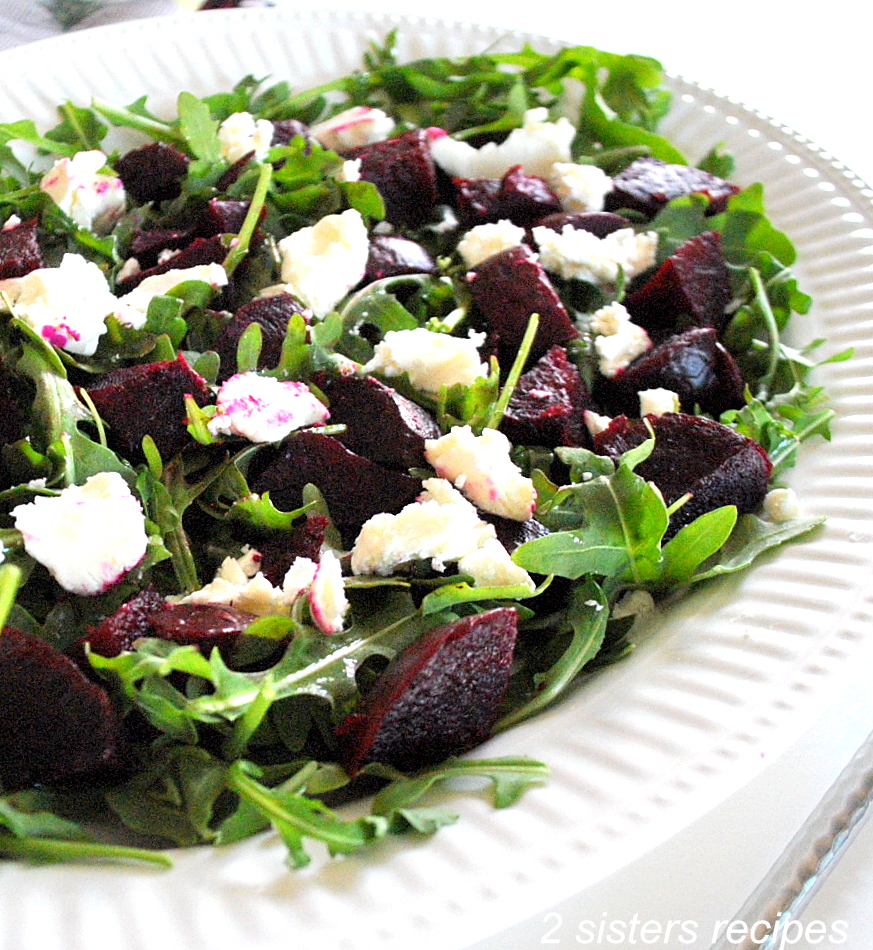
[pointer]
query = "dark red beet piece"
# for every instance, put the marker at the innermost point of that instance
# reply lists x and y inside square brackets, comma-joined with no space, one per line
[304,540]
[147,245]
[511,533]
[153,172]
[272,314]
[354,488]
[693,364]
[148,399]
[549,403]
[507,288]
[599,223]
[223,216]
[713,462]
[439,697]
[202,625]
[19,250]
[692,286]
[209,250]
[119,631]
[403,171]
[381,424]
[393,256]
[517,197]
[648,184]
[56,726]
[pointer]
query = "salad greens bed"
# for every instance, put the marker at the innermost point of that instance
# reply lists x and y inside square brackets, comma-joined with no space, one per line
[231,752]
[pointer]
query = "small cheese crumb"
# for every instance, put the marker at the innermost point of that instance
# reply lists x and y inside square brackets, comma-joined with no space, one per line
[781,504]
[576,254]
[657,402]
[619,341]
[485,240]
[241,134]
[579,187]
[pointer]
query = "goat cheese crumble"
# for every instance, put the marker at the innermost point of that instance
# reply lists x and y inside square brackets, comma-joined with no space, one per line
[575,254]
[241,134]
[352,128]
[76,185]
[87,536]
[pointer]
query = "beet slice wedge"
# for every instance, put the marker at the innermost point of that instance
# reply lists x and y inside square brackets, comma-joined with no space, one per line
[693,364]
[439,697]
[19,250]
[693,286]
[714,463]
[507,289]
[153,172]
[381,424]
[56,726]
[517,197]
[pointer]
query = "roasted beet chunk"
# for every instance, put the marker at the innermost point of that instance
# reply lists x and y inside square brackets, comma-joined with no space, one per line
[598,223]
[19,250]
[354,488]
[404,172]
[56,726]
[648,184]
[711,461]
[381,424]
[507,289]
[223,216]
[439,697]
[272,315]
[692,287]
[517,197]
[148,399]
[393,256]
[209,250]
[201,625]
[549,403]
[511,534]
[693,364]
[148,245]
[153,172]
[119,631]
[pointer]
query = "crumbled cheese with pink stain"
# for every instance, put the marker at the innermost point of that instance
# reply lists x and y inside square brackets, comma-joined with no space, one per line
[431,360]
[93,200]
[131,309]
[87,536]
[480,466]
[67,305]
[328,604]
[241,134]
[264,409]
[596,423]
[321,263]
[536,146]
[352,128]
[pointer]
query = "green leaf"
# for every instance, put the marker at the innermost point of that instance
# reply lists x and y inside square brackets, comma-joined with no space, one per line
[199,129]
[694,543]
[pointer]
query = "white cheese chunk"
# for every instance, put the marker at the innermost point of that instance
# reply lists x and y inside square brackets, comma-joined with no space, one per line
[328,603]
[131,309]
[579,187]
[781,504]
[263,408]
[67,305]
[241,133]
[480,466]
[91,199]
[657,402]
[491,565]
[88,536]
[575,254]
[321,263]
[352,128]
[618,341]
[430,360]
[485,240]
[536,146]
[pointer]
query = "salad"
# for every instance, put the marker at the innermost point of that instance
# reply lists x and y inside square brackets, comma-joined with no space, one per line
[347,427]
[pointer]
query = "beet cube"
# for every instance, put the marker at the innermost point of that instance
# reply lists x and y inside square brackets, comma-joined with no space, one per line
[272,314]
[693,286]
[599,223]
[148,399]
[354,488]
[695,455]
[439,697]
[303,540]
[153,172]
[19,250]
[693,364]
[393,256]
[223,216]
[148,245]
[511,534]
[403,171]
[381,424]
[507,289]
[118,632]
[517,197]
[549,403]
[201,625]
[56,726]
[209,250]
[648,184]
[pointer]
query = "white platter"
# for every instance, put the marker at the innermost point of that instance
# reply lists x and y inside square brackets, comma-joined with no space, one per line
[716,687]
